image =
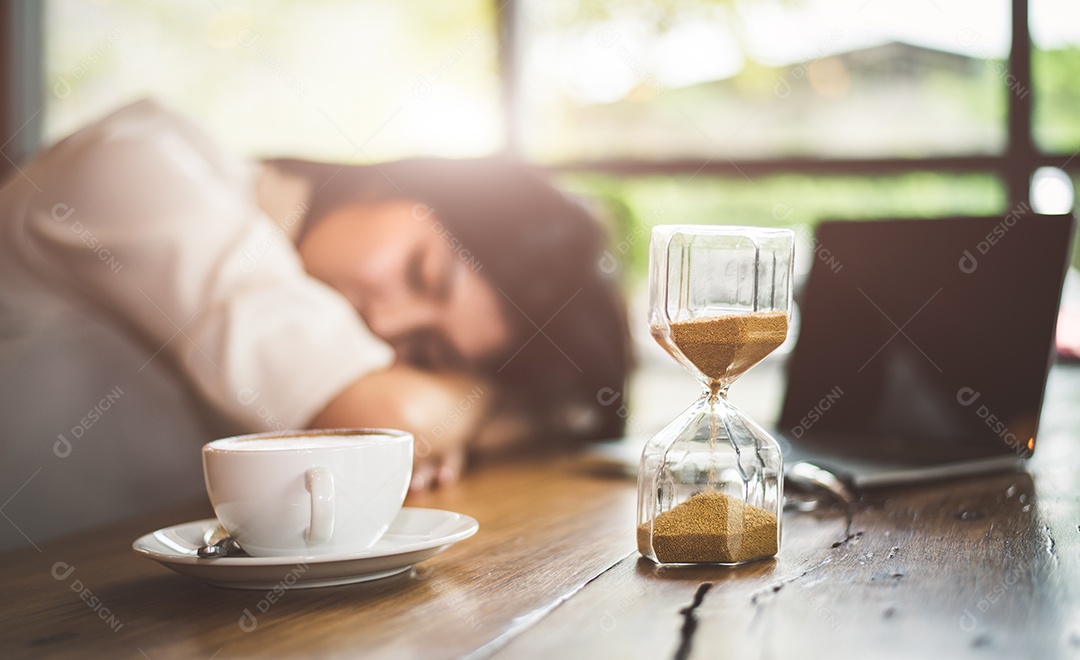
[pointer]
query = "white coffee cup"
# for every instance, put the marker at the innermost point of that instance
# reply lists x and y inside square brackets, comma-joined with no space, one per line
[308,492]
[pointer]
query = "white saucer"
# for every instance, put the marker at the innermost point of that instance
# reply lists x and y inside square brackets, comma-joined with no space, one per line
[415,535]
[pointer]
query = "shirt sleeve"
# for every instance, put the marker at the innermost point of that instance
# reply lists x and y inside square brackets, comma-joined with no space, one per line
[144,215]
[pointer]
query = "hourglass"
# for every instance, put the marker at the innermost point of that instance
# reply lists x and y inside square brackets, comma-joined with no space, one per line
[710,484]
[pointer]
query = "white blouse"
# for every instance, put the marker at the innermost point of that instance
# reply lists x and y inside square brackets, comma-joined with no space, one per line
[148,303]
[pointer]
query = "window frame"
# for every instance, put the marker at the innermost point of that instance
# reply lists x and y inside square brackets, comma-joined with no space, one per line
[1014,168]
[22,81]
[22,96]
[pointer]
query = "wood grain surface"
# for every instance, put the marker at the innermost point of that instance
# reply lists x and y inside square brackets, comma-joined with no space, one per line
[545,530]
[983,567]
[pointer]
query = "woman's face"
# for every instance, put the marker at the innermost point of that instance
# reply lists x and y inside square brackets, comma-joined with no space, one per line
[412,284]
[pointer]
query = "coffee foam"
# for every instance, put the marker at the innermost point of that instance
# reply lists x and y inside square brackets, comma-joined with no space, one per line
[297,443]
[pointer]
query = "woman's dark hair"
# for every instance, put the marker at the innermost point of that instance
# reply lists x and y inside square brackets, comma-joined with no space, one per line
[569,353]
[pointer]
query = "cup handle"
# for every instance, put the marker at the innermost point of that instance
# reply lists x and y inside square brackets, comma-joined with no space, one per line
[320,483]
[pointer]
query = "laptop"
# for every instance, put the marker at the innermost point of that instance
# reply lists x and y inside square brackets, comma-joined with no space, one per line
[924,346]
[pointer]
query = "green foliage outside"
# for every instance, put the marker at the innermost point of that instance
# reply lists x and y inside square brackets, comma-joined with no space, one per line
[1056,118]
[633,205]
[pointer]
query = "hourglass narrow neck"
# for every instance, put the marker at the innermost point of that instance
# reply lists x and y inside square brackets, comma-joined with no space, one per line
[716,391]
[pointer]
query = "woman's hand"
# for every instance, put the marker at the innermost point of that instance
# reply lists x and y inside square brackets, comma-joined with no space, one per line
[445,412]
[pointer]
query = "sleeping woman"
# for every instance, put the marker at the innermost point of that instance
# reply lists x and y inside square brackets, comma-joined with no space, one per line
[157,292]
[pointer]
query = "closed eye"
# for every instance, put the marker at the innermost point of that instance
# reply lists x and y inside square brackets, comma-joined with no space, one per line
[429,276]
[414,271]
[446,279]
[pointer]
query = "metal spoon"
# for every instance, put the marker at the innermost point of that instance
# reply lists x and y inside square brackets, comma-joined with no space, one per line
[218,543]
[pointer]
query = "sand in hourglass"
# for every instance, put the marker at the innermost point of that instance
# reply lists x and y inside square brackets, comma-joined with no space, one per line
[724,347]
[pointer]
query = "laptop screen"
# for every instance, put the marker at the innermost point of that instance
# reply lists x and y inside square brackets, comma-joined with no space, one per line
[918,334]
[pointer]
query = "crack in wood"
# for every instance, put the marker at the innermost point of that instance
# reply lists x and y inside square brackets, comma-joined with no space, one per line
[524,622]
[689,626]
[850,538]
[755,598]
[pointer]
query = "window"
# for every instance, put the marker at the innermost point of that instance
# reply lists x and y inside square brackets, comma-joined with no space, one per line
[727,111]
[718,110]
[330,79]
[1055,63]
[815,78]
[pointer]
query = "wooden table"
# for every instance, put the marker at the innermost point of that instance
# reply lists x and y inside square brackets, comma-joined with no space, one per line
[979,567]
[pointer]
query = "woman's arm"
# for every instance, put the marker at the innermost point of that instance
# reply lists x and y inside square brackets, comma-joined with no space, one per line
[450,415]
